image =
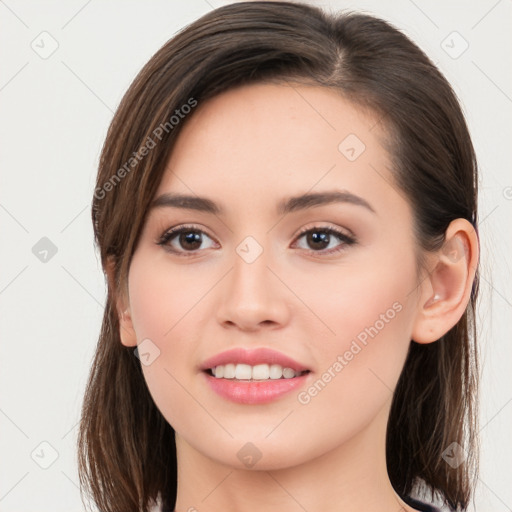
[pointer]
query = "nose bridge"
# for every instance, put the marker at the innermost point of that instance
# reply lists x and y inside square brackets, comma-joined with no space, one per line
[253,295]
[250,276]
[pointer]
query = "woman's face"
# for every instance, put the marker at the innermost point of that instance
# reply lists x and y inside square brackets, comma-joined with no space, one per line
[248,277]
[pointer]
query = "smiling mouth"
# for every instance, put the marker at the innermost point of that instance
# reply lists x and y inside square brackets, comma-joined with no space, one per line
[260,372]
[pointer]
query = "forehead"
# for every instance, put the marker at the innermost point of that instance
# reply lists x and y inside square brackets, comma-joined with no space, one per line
[258,141]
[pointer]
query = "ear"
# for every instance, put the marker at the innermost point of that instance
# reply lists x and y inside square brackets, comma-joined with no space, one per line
[445,293]
[120,297]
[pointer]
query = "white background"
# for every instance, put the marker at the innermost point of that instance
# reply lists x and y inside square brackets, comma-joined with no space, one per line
[54,116]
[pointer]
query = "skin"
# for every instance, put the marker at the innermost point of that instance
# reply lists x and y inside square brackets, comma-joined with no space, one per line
[247,149]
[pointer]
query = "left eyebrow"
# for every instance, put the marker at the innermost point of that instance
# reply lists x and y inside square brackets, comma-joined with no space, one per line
[310,200]
[287,205]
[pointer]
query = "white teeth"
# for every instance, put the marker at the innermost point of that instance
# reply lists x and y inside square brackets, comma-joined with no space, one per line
[243,371]
[276,371]
[229,371]
[288,373]
[257,372]
[260,372]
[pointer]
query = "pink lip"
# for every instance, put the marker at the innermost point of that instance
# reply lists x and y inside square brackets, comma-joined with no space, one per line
[253,391]
[252,357]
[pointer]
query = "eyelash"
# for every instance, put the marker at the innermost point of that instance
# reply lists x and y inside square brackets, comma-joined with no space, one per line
[330,230]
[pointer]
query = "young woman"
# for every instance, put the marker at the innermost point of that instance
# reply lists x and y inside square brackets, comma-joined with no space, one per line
[286,211]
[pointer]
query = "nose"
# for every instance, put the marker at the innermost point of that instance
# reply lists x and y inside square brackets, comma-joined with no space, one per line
[253,296]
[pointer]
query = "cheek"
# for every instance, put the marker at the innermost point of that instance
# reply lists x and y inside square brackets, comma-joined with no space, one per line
[162,296]
[363,302]
[369,314]
[165,308]
[359,365]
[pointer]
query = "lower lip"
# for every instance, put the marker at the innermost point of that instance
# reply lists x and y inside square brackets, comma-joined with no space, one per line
[254,391]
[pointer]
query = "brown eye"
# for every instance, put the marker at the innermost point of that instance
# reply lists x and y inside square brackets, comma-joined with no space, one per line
[190,240]
[318,239]
[183,240]
[187,240]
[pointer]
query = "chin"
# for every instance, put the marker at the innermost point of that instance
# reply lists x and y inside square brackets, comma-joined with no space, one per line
[260,453]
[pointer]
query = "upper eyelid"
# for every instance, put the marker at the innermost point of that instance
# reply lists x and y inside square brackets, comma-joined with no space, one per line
[349,232]
[317,225]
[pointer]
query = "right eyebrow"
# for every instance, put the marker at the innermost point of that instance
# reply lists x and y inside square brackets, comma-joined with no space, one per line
[173,200]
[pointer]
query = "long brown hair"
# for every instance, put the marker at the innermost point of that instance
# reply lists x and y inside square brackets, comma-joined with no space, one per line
[126,448]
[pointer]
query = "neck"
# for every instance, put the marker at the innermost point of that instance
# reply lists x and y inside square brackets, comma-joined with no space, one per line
[350,478]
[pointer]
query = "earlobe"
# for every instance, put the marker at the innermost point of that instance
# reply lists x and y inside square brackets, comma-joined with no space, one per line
[126,330]
[445,293]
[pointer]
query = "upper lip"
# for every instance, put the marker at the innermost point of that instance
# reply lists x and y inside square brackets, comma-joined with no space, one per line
[252,357]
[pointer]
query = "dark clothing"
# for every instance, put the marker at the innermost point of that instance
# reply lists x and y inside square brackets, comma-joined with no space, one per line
[419,505]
